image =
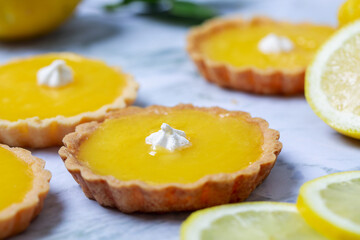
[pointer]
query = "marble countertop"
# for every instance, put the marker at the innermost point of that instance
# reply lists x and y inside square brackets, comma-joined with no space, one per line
[153,51]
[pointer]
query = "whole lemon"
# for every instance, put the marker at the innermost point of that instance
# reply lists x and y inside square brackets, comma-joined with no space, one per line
[349,12]
[21,19]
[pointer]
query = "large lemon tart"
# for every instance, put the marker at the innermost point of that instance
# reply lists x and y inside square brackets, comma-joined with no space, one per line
[215,156]
[37,110]
[258,55]
[24,185]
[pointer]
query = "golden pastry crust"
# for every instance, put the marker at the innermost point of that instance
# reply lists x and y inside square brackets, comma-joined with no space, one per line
[247,78]
[138,196]
[40,133]
[17,217]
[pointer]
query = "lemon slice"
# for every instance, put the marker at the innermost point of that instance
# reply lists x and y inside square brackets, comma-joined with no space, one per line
[331,205]
[332,86]
[349,11]
[248,221]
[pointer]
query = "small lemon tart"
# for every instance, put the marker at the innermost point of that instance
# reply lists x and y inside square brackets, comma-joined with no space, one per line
[36,113]
[211,156]
[24,185]
[258,55]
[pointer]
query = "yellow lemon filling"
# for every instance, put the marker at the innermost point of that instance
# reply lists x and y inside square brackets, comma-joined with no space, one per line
[16,179]
[95,85]
[238,45]
[219,144]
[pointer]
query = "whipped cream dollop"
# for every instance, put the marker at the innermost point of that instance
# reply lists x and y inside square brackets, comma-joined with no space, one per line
[168,137]
[57,74]
[273,43]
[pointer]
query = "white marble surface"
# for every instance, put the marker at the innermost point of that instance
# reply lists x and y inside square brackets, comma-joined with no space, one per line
[153,51]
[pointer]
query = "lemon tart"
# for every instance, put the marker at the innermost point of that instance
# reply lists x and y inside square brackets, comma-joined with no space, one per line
[200,157]
[24,185]
[42,98]
[260,55]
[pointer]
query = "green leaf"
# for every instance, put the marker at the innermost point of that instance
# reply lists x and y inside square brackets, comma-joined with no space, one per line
[113,7]
[191,10]
[176,9]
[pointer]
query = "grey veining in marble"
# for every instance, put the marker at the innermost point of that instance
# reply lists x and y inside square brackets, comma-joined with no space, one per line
[153,51]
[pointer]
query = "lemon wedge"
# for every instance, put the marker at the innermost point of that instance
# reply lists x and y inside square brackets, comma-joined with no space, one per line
[349,12]
[248,221]
[331,205]
[332,84]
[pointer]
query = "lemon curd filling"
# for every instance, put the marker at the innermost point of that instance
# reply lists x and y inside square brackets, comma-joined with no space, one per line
[16,179]
[341,82]
[95,85]
[219,144]
[238,45]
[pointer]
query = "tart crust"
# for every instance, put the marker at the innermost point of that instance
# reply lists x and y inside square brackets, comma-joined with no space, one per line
[40,133]
[17,217]
[138,196]
[246,78]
